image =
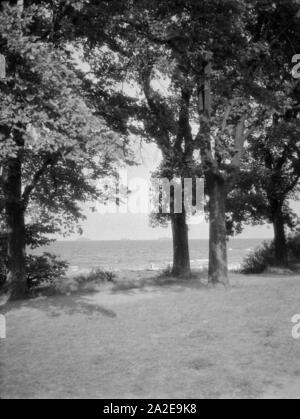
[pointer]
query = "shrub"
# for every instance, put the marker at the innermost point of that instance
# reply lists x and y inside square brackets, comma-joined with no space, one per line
[96,276]
[294,248]
[40,270]
[44,269]
[167,272]
[264,256]
[84,283]
[259,260]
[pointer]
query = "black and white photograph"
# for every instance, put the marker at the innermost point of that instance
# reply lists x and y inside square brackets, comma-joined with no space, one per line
[149,202]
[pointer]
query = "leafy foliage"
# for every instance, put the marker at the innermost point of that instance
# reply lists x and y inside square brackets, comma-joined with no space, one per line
[44,269]
[264,257]
[54,145]
[40,270]
[96,276]
[206,81]
[270,169]
[259,260]
[83,283]
[222,68]
[65,147]
[269,178]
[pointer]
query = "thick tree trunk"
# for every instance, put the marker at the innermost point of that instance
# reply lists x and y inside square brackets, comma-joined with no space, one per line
[280,241]
[15,219]
[218,262]
[181,254]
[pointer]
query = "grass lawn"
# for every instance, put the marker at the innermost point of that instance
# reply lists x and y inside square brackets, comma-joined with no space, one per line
[171,341]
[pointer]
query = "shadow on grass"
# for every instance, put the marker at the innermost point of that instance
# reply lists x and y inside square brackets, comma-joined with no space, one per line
[58,305]
[159,283]
[55,303]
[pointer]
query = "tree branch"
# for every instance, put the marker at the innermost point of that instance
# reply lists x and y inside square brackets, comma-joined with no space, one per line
[240,138]
[160,110]
[50,161]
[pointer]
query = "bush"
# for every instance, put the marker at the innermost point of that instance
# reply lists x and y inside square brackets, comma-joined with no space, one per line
[167,272]
[84,283]
[259,260]
[96,276]
[44,269]
[264,256]
[294,248]
[40,270]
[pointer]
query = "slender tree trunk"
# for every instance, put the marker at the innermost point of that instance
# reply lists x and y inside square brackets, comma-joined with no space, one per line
[181,254]
[15,219]
[281,252]
[218,262]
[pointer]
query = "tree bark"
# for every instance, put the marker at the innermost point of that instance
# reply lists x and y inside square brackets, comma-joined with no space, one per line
[280,241]
[218,260]
[15,220]
[181,254]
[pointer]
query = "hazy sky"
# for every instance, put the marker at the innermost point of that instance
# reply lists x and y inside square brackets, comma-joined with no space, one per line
[136,226]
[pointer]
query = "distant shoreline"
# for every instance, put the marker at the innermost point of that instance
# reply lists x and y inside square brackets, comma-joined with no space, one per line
[154,240]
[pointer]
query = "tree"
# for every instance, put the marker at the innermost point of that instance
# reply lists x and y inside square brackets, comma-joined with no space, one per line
[165,121]
[177,203]
[270,171]
[269,180]
[169,125]
[207,53]
[237,97]
[53,147]
[210,63]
